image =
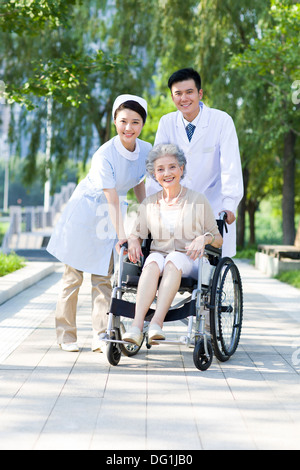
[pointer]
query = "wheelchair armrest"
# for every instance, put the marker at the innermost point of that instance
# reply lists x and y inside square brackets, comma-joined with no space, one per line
[211,250]
[131,280]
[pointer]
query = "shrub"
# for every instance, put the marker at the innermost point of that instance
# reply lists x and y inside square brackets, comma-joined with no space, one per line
[10,263]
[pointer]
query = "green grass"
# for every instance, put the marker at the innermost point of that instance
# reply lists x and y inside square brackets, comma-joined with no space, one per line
[246,253]
[290,277]
[10,263]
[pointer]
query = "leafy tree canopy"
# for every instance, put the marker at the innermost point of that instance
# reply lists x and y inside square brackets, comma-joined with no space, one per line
[30,16]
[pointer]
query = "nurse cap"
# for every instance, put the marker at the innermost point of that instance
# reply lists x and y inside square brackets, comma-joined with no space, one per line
[123,98]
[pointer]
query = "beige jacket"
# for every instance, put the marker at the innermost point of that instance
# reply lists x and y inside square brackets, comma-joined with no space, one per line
[195,218]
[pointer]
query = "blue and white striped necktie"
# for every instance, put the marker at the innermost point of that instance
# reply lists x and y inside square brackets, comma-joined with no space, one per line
[190,130]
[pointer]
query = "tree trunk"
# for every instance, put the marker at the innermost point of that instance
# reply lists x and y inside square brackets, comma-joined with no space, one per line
[288,189]
[240,222]
[252,207]
[102,123]
[108,122]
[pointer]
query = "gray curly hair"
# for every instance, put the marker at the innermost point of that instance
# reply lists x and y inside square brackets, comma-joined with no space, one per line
[162,150]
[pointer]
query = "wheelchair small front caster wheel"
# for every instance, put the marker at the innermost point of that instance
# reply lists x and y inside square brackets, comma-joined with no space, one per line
[113,353]
[203,360]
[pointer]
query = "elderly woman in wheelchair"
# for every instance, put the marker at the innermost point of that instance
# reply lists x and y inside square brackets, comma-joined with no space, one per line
[181,223]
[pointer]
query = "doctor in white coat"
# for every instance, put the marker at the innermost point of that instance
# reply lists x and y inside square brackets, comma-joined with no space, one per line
[210,146]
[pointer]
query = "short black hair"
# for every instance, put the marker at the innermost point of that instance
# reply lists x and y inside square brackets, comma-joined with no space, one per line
[134,106]
[185,74]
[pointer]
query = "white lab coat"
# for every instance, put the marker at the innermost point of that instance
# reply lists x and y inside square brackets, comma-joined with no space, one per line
[213,162]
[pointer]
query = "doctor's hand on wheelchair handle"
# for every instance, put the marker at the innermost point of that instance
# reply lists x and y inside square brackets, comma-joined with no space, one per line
[227,216]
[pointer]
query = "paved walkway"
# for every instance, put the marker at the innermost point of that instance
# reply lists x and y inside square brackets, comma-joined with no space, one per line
[50,399]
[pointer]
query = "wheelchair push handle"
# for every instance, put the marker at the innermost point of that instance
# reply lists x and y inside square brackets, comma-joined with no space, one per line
[122,249]
[223,217]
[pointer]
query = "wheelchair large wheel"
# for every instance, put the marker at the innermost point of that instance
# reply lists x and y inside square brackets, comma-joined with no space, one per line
[226,309]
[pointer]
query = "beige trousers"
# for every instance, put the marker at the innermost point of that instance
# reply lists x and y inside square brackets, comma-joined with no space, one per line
[65,317]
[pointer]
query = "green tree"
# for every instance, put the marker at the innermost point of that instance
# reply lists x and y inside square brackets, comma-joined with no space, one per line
[176,24]
[31,16]
[225,28]
[44,56]
[270,66]
[82,69]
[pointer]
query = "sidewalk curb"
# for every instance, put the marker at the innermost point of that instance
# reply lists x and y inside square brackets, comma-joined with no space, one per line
[16,282]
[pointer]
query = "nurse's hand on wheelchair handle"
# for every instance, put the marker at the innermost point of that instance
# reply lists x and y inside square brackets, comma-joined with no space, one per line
[134,250]
[120,244]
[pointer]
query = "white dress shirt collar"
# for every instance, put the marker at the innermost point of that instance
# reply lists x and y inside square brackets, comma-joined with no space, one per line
[195,122]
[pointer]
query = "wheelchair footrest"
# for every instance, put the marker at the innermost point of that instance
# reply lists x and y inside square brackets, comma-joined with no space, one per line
[183,340]
[119,341]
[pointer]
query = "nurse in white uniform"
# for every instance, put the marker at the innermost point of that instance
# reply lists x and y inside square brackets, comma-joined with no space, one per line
[211,149]
[92,221]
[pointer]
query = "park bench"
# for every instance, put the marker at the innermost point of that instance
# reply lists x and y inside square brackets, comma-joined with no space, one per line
[274,259]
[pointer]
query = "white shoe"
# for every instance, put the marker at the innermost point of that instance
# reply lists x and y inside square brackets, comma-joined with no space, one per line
[69,347]
[155,332]
[99,344]
[133,335]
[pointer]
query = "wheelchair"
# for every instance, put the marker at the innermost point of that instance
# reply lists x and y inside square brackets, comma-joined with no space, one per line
[217,294]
